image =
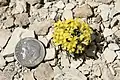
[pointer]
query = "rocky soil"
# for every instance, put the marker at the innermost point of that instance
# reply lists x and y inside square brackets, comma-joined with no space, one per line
[34,18]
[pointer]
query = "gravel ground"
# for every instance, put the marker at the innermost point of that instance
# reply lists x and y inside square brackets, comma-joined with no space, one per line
[35,18]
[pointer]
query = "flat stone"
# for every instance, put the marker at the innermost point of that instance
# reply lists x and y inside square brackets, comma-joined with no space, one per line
[106,24]
[109,55]
[28,76]
[67,14]
[2,61]
[64,60]
[53,15]
[47,4]
[104,1]
[76,63]
[107,32]
[21,19]
[50,54]
[117,5]
[69,6]
[20,6]
[44,72]
[43,40]
[118,54]
[32,2]
[10,59]
[41,28]
[113,46]
[9,22]
[85,69]
[96,70]
[115,29]
[83,11]
[60,5]
[117,33]
[4,36]
[92,3]
[16,36]
[73,74]
[105,9]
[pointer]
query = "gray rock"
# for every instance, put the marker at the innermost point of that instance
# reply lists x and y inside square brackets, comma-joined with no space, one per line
[117,33]
[32,2]
[60,5]
[9,22]
[104,11]
[117,5]
[4,36]
[107,32]
[44,72]
[85,69]
[83,11]
[28,76]
[109,55]
[118,54]
[16,36]
[2,62]
[96,70]
[20,6]
[53,15]
[3,2]
[50,54]
[69,6]
[113,46]
[76,63]
[65,60]
[22,19]
[67,14]
[104,1]
[41,28]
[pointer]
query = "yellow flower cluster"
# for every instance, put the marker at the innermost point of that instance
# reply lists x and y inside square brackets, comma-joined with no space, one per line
[72,35]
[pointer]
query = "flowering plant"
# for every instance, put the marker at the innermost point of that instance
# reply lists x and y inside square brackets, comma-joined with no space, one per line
[72,35]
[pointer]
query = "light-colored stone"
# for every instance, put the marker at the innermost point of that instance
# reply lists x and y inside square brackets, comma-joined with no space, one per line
[106,24]
[41,28]
[109,55]
[47,4]
[96,70]
[107,32]
[32,2]
[113,46]
[117,33]
[16,36]
[85,69]
[104,11]
[104,1]
[118,54]
[64,60]
[92,3]
[83,11]
[69,6]
[4,36]
[53,15]
[43,40]
[67,14]
[44,72]
[21,19]
[9,22]
[114,29]
[117,4]
[50,54]
[95,26]
[76,63]
[20,6]
[60,5]
[28,76]
[9,59]
[2,61]
[73,74]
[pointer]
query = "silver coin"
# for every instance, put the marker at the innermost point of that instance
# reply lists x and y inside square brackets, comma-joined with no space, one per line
[29,52]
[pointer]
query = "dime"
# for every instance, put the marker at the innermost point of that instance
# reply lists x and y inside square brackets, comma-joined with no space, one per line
[29,52]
